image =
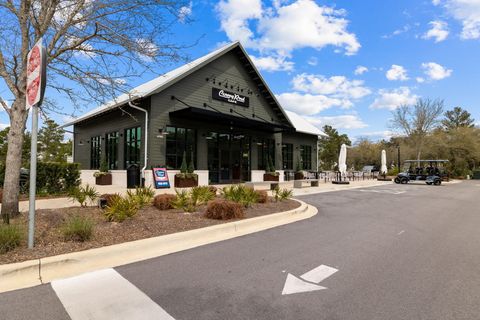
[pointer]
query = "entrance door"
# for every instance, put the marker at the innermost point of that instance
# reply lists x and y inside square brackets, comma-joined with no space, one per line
[228,157]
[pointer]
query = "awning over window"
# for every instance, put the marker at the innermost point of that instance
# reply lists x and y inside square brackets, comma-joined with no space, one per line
[230,119]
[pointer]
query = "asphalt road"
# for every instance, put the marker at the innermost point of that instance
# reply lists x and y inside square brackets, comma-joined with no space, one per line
[402,252]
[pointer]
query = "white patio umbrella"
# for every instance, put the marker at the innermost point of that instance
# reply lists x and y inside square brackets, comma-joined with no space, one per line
[384,169]
[342,160]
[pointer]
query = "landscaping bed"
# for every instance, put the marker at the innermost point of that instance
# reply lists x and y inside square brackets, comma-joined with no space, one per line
[148,222]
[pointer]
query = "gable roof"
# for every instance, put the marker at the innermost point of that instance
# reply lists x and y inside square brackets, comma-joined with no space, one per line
[302,125]
[164,81]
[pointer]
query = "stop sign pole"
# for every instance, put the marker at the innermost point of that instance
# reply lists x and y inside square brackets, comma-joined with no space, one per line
[36,81]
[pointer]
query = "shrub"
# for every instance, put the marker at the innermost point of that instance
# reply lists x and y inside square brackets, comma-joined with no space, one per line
[142,196]
[78,228]
[56,177]
[282,194]
[109,197]
[183,201]
[240,194]
[83,194]
[224,210]
[10,237]
[164,201]
[201,195]
[262,196]
[121,209]
[213,189]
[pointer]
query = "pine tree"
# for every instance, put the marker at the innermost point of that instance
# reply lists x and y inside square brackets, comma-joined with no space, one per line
[184,166]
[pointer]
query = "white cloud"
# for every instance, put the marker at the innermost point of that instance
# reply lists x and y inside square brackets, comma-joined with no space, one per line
[386,134]
[336,86]
[347,121]
[285,27]
[313,61]
[4,125]
[467,12]
[397,72]
[420,79]
[307,104]
[147,50]
[439,31]
[271,63]
[360,70]
[185,12]
[392,99]
[397,32]
[435,71]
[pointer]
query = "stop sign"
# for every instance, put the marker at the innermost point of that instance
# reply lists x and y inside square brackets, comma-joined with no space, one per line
[36,75]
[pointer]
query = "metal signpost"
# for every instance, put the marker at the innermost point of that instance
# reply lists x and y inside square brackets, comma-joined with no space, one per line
[36,80]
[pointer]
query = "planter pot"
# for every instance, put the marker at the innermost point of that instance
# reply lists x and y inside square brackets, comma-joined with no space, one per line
[181,182]
[299,176]
[104,180]
[270,177]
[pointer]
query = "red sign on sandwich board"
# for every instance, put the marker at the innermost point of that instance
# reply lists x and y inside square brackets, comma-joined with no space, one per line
[36,75]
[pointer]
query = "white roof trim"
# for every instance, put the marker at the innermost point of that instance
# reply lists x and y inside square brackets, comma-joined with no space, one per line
[302,125]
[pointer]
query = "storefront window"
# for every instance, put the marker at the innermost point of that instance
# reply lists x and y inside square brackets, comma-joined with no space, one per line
[95,152]
[306,156]
[112,150]
[287,156]
[180,140]
[266,149]
[133,141]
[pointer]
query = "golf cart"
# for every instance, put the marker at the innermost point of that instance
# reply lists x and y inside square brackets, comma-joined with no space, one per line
[433,172]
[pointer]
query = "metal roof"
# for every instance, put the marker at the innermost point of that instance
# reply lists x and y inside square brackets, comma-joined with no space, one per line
[302,125]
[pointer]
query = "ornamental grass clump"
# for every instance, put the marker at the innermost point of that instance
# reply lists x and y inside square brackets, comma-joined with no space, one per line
[221,209]
[142,196]
[109,198]
[183,201]
[201,195]
[78,228]
[10,237]
[121,209]
[282,194]
[164,201]
[240,194]
[83,195]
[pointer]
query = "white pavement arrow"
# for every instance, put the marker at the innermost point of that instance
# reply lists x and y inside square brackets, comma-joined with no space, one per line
[312,277]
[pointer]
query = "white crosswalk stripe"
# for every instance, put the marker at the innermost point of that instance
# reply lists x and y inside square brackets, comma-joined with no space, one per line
[105,294]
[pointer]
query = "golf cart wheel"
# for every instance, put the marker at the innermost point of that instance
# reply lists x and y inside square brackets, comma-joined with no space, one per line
[429,183]
[404,181]
[397,180]
[437,182]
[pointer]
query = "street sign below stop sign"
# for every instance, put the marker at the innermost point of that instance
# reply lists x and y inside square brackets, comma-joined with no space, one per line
[36,75]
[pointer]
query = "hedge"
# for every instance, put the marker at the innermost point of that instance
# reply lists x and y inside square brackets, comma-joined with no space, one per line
[53,177]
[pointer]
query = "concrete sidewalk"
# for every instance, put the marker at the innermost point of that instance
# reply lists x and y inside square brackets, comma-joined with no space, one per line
[323,187]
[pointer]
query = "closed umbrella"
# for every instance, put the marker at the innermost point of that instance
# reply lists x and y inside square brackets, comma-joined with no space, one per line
[383,169]
[342,160]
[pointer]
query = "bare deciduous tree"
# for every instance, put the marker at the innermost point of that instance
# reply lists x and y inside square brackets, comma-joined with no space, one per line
[93,48]
[417,121]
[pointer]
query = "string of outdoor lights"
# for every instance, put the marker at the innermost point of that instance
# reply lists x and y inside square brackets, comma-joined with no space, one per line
[227,84]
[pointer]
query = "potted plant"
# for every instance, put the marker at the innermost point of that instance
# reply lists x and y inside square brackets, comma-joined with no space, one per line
[103,177]
[186,178]
[299,173]
[270,173]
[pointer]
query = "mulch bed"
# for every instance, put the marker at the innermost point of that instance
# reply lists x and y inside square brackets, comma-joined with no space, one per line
[149,222]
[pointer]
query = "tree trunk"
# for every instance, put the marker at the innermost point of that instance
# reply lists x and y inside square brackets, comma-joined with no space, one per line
[11,184]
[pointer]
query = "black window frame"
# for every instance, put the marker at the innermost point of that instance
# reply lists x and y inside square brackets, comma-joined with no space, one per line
[111,149]
[176,145]
[265,147]
[95,152]
[287,156]
[132,142]
[306,156]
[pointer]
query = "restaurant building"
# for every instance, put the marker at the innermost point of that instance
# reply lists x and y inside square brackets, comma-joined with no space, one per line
[217,109]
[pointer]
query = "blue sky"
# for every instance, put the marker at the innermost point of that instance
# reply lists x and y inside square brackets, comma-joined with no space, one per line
[347,63]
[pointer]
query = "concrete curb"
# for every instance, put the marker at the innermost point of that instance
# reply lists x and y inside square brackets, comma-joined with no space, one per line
[35,272]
